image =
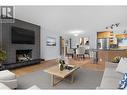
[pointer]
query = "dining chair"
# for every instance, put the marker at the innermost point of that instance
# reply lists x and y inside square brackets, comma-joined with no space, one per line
[87,53]
[70,52]
[80,52]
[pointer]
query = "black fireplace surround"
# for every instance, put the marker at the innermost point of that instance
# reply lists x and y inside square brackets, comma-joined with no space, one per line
[20,64]
[23,55]
[29,52]
[23,58]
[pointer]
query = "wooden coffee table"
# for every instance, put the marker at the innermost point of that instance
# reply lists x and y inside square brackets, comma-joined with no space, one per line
[57,75]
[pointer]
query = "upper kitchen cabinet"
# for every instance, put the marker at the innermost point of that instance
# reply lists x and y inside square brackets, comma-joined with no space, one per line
[103,34]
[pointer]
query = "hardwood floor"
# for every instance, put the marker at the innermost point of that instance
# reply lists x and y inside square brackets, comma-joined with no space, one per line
[87,64]
[84,64]
[32,68]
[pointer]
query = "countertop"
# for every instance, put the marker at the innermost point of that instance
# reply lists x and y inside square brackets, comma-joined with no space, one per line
[115,49]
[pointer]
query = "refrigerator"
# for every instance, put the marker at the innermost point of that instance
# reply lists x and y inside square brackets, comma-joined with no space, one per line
[103,43]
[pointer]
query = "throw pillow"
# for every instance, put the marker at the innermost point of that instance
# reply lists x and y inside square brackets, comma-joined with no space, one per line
[122,66]
[123,82]
[125,58]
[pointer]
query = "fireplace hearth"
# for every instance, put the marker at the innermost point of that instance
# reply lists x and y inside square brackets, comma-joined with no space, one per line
[23,55]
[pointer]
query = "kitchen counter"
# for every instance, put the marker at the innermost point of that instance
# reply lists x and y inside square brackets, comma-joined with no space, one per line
[109,54]
[111,49]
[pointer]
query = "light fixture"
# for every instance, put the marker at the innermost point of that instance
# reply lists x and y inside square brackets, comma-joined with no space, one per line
[116,29]
[76,32]
[113,26]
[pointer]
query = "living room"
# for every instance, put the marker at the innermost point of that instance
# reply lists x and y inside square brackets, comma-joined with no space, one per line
[38,39]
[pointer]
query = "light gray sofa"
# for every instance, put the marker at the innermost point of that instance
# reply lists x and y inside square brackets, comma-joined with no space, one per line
[8,78]
[110,78]
[8,81]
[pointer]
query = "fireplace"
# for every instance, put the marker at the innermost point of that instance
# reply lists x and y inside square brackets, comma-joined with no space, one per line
[23,55]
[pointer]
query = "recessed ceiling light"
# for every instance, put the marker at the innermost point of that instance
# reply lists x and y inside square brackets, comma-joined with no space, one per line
[76,32]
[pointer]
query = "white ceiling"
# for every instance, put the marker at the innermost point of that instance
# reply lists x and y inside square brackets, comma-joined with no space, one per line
[66,18]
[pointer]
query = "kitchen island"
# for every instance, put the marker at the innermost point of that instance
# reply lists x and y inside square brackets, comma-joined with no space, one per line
[109,54]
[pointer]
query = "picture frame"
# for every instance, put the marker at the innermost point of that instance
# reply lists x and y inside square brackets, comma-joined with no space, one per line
[51,41]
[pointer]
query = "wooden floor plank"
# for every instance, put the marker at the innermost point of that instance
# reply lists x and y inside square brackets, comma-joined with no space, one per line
[85,64]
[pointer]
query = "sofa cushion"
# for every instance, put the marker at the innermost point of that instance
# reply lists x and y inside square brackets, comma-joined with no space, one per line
[110,83]
[110,79]
[111,72]
[123,82]
[4,87]
[7,75]
[122,66]
[34,87]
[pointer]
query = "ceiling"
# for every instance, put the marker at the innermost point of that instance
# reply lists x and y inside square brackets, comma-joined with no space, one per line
[66,18]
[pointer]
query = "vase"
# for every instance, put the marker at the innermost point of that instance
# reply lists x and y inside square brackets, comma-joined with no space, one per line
[61,67]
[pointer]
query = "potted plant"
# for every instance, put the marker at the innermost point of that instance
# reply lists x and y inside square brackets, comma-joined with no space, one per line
[116,59]
[3,57]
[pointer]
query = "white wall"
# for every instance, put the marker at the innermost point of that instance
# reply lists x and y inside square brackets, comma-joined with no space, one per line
[49,52]
[55,21]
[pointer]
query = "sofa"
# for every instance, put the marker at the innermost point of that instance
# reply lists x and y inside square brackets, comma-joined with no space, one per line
[8,81]
[8,78]
[111,77]
[5,87]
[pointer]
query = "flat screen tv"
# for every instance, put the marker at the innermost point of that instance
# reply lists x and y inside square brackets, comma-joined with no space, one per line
[22,36]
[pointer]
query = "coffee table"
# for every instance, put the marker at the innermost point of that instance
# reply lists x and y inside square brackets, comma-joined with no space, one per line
[60,75]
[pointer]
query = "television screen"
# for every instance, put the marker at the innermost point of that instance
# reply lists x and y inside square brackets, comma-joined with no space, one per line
[22,36]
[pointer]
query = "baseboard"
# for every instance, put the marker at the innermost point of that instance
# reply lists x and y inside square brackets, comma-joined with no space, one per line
[50,59]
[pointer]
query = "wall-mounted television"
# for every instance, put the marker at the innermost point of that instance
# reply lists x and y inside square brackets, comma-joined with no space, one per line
[22,36]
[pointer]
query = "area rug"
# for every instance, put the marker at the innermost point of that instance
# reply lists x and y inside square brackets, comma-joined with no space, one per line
[84,79]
